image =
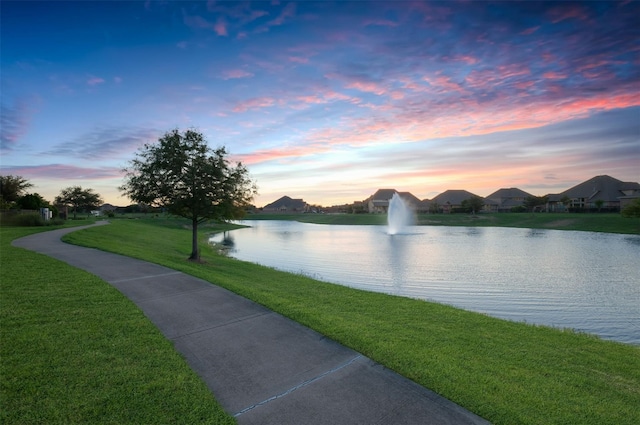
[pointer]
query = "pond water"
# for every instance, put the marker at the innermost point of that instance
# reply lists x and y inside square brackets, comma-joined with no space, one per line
[586,281]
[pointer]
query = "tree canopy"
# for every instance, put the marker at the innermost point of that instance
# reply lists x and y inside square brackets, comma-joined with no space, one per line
[79,198]
[11,188]
[531,203]
[184,175]
[32,201]
[473,204]
[632,210]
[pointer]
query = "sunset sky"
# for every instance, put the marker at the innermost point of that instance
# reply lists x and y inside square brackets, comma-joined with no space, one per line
[326,101]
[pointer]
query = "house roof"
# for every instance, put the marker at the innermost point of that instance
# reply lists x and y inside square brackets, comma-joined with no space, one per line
[383,194]
[604,188]
[107,207]
[453,197]
[288,203]
[512,192]
[409,197]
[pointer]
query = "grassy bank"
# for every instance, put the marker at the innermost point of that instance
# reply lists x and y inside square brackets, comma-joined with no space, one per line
[508,373]
[609,222]
[75,351]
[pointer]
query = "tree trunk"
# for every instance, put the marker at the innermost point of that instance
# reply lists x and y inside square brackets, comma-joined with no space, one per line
[195,254]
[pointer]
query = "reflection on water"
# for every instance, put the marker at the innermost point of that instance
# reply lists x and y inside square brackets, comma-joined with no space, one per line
[581,280]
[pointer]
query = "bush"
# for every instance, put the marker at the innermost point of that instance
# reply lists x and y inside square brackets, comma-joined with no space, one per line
[632,210]
[27,220]
[31,219]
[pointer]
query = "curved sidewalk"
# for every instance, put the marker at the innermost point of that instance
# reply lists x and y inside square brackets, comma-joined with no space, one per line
[262,367]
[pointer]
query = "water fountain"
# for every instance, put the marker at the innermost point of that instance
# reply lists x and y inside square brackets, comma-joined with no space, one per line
[399,215]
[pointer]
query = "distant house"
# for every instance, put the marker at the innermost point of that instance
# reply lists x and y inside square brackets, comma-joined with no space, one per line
[379,201]
[105,208]
[599,192]
[450,200]
[503,200]
[286,205]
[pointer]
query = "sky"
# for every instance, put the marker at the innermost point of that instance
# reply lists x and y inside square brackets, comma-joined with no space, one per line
[325,101]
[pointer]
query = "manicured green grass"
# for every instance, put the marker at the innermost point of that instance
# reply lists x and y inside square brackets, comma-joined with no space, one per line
[606,222]
[75,351]
[506,372]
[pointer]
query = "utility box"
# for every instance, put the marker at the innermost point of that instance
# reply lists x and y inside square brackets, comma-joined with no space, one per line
[45,213]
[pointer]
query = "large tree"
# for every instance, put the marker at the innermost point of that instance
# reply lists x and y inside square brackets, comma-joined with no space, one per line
[11,188]
[473,204]
[183,174]
[32,201]
[79,198]
[531,203]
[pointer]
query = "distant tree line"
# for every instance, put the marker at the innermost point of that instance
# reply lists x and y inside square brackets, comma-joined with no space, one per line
[14,196]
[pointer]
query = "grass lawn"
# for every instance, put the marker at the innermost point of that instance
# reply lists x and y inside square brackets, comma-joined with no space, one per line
[506,372]
[74,350]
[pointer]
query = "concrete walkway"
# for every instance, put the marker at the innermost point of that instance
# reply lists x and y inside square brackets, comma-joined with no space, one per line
[263,368]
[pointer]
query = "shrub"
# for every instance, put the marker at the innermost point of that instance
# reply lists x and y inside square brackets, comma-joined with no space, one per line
[27,220]
[632,210]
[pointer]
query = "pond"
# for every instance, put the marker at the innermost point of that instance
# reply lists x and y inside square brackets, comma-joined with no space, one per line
[586,281]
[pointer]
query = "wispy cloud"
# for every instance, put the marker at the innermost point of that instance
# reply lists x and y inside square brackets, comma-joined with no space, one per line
[568,10]
[103,143]
[63,172]
[289,11]
[197,22]
[254,103]
[94,81]
[380,22]
[235,73]
[220,27]
[14,123]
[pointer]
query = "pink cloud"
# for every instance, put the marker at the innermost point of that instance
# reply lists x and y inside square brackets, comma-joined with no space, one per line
[14,122]
[65,172]
[236,73]
[289,11]
[297,59]
[530,31]
[443,83]
[311,99]
[280,153]
[470,60]
[380,22]
[488,78]
[513,70]
[196,22]
[220,27]
[367,87]
[451,169]
[94,81]
[255,103]
[568,10]
[431,119]
[524,85]
[552,75]
[327,96]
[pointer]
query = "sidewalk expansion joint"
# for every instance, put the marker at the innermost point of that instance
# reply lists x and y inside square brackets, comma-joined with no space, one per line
[144,277]
[222,325]
[297,387]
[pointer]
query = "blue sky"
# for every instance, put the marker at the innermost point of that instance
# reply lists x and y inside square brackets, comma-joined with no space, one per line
[326,101]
